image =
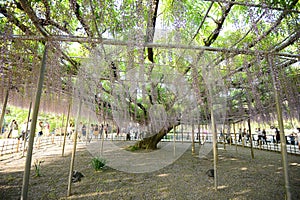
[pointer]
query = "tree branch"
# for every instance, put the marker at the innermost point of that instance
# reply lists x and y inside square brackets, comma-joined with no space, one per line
[33,17]
[76,9]
[213,36]
[11,18]
[151,26]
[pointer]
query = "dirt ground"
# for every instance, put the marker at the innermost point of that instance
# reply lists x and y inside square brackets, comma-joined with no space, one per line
[239,177]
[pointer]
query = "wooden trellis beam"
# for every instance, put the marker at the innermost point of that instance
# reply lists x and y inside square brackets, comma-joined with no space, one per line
[247,4]
[153,45]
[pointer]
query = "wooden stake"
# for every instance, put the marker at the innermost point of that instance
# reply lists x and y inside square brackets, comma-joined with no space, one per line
[4,108]
[215,149]
[66,130]
[74,149]
[25,185]
[193,139]
[28,119]
[250,135]
[281,127]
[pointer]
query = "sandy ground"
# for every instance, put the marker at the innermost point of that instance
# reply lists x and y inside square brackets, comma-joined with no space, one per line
[239,177]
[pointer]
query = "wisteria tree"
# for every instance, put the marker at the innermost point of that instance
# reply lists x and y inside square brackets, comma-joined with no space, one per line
[154,64]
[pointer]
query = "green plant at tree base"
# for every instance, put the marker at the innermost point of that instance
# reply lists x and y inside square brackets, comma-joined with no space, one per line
[37,167]
[98,163]
[133,148]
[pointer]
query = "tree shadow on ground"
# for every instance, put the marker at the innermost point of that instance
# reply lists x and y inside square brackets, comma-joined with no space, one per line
[239,177]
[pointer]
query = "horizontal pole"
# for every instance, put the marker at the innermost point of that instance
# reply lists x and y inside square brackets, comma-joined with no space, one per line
[78,39]
[247,4]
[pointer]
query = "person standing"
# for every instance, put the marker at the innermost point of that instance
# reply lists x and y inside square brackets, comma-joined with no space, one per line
[83,131]
[264,136]
[91,132]
[23,130]
[47,128]
[101,131]
[292,139]
[298,138]
[15,129]
[277,135]
[106,130]
[97,132]
[240,135]
[41,128]
[259,136]
[3,126]
[79,131]
[28,129]
[40,133]
[10,126]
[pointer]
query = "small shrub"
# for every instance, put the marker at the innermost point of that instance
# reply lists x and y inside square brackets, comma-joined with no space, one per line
[98,163]
[37,167]
[133,148]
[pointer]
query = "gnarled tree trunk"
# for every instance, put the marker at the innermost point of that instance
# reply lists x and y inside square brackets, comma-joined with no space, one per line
[152,141]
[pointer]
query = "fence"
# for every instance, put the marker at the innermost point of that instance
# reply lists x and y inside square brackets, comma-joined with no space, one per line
[9,146]
[270,145]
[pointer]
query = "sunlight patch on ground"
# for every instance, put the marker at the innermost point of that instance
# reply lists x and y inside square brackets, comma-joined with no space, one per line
[94,194]
[164,191]
[162,175]
[295,164]
[222,187]
[242,192]
[131,162]
[110,180]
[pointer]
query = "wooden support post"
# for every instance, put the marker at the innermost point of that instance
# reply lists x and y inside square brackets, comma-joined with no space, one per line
[61,128]
[215,148]
[26,176]
[181,133]
[174,142]
[74,149]
[281,127]
[87,133]
[250,135]
[26,131]
[235,139]
[66,130]
[4,108]
[193,139]
[199,134]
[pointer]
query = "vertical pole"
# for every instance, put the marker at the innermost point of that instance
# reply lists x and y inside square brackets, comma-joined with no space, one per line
[181,133]
[66,130]
[193,139]
[4,108]
[199,134]
[26,130]
[174,141]
[215,150]
[281,127]
[230,138]
[74,149]
[61,128]
[25,185]
[87,134]
[235,140]
[250,135]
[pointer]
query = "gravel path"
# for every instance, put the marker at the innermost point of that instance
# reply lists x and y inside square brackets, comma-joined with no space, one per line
[239,176]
